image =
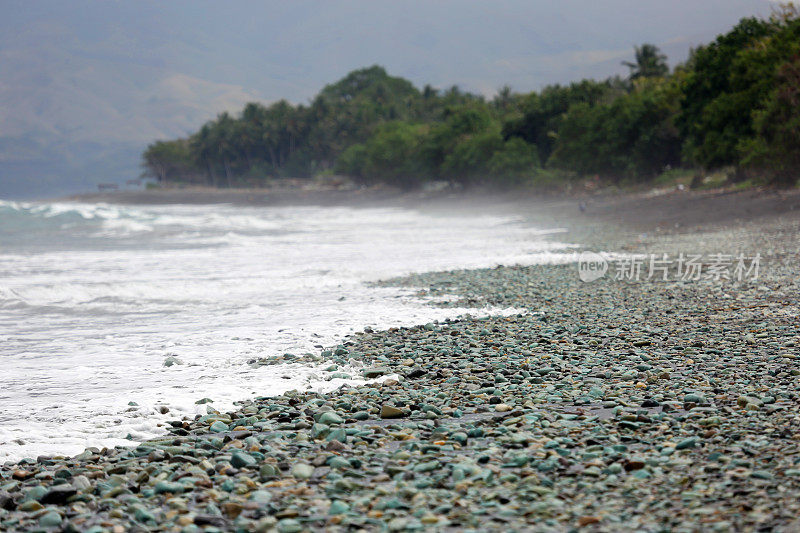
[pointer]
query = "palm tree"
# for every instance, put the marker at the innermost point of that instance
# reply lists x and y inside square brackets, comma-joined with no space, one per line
[203,144]
[650,62]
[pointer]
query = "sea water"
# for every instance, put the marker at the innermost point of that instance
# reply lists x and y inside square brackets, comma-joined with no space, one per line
[95,298]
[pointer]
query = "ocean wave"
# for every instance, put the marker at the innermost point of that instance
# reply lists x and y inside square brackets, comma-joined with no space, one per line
[123,220]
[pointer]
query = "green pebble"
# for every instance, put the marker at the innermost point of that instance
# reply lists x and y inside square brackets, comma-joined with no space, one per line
[267,471]
[30,505]
[691,442]
[289,525]
[242,460]
[761,474]
[330,418]
[302,471]
[319,430]
[143,515]
[339,462]
[427,466]
[51,519]
[261,496]
[337,434]
[338,507]
[167,486]
[219,427]
[460,437]
[35,494]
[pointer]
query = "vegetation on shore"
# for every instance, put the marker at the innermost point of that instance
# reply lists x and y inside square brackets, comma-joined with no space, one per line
[734,105]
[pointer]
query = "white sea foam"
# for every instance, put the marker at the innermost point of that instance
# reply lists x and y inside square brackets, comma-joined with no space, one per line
[91,307]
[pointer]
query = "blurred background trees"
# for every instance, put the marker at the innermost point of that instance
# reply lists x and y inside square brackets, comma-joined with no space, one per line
[733,104]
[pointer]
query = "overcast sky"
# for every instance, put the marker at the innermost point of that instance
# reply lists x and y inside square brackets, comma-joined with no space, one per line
[126,72]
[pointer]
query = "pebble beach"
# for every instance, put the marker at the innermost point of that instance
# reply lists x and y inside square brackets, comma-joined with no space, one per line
[613,405]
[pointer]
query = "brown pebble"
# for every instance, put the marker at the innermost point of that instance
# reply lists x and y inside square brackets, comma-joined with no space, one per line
[22,474]
[387,411]
[634,465]
[587,520]
[232,509]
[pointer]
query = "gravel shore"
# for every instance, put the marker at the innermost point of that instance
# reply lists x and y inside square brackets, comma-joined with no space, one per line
[614,405]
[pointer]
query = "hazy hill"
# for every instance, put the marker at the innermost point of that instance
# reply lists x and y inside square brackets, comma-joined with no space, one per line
[85,85]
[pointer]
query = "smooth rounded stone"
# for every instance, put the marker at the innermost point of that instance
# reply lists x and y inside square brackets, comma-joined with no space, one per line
[693,398]
[428,466]
[502,408]
[50,519]
[35,493]
[339,434]
[376,372]
[361,415]
[267,471]
[690,442]
[302,471]
[338,462]
[430,519]
[330,418]
[289,525]
[592,471]
[748,401]
[319,430]
[338,507]
[415,372]
[218,427]
[388,411]
[142,514]
[243,460]
[59,494]
[596,392]
[168,487]
[63,473]
[460,437]
[170,361]
[6,500]
[398,524]
[30,506]
[261,496]
[81,483]
[22,474]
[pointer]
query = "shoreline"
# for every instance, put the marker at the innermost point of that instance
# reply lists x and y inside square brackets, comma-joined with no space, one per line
[666,210]
[612,405]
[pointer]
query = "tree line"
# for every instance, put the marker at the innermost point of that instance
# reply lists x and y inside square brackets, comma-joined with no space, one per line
[733,104]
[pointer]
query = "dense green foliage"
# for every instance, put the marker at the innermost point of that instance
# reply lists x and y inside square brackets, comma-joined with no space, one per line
[733,104]
[631,136]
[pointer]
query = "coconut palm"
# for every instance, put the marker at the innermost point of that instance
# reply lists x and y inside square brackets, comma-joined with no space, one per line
[650,62]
